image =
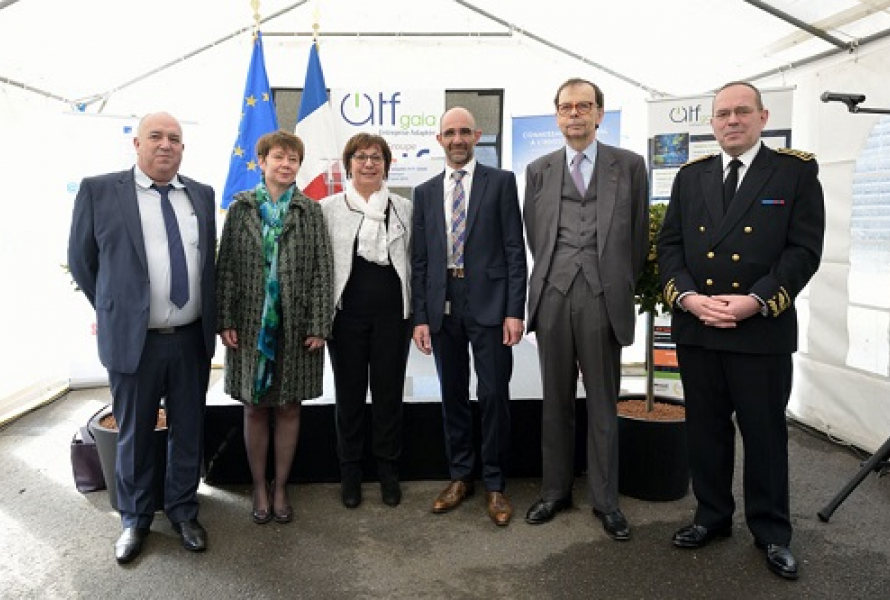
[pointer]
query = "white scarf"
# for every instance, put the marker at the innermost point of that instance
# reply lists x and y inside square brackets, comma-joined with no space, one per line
[372,238]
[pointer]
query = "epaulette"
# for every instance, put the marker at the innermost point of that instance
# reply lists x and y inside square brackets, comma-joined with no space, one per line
[796,153]
[699,159]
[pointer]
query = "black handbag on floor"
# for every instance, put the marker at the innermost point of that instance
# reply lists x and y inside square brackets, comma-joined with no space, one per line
[85,461]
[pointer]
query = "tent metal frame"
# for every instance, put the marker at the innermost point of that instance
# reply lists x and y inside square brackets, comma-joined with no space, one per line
[840,46]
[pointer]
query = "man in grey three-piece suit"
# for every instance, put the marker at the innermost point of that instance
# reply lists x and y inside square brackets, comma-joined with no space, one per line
[587,223]
[142,249]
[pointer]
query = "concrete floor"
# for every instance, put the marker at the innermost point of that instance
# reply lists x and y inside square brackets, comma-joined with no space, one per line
[57,543]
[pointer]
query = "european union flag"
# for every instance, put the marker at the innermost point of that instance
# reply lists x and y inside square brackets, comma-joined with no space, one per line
[257,118]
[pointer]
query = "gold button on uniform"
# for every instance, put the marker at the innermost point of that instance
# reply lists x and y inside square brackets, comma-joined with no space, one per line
[710,255]
[748,230]
[735,284]
[702,228]
[736,257]
[709,282]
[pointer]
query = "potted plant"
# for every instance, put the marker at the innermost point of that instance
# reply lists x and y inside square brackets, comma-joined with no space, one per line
[653,463]
[104,429]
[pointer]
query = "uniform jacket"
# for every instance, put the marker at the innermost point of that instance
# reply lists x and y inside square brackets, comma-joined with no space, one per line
[768,244]
[622,205]
[343,225]
[494,250]
[304,274]
[106,255]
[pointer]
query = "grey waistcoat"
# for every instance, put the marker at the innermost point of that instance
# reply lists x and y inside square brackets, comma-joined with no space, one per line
[576,248]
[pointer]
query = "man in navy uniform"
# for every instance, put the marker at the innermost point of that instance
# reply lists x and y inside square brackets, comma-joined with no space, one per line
[742,236]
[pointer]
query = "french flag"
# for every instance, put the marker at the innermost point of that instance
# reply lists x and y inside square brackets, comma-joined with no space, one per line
[320,173]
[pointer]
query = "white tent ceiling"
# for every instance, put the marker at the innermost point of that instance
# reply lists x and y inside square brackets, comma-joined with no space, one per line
[88,49]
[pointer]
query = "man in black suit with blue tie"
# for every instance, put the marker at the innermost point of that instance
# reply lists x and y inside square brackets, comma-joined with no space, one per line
[142,249]
[469,289]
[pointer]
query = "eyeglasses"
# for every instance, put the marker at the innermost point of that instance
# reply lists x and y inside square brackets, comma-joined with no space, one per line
[567,108]
[375,159]
[453,133]
[739,111]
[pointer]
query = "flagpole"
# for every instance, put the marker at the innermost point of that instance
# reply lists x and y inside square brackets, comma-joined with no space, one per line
[255,5]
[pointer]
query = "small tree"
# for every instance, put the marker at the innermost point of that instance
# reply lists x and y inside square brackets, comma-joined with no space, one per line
[648,295]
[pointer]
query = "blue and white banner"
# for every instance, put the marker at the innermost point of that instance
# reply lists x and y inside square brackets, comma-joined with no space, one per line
[537,135]
[407,119]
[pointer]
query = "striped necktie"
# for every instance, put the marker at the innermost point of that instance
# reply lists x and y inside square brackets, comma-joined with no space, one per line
[458,219]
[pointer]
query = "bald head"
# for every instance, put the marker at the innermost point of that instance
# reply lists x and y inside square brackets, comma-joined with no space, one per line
[159,146]
[458,136]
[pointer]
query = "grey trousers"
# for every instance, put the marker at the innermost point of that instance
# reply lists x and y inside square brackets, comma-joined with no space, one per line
[574,332]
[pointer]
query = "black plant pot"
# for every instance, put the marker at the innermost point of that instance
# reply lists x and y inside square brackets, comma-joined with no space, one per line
[106,444]
[653,461]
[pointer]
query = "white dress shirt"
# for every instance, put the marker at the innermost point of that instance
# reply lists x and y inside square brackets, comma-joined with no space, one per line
[163,313]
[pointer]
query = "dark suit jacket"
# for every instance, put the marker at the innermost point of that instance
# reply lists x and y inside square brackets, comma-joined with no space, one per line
[768,244]
[106,254]
[494,251]
[622,198]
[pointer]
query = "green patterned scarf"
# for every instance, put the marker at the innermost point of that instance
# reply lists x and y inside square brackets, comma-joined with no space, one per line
[272,214]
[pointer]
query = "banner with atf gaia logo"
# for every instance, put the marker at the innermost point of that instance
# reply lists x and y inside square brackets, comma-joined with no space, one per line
[407,119]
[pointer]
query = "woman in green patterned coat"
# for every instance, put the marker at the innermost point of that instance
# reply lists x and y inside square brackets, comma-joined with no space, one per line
[274,291]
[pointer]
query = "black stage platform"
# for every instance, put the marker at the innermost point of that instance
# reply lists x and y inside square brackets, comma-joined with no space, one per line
[423,456]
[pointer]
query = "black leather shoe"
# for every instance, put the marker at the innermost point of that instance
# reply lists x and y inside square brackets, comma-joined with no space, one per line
[391,492]
[351,485]
[544,510]
[194,536]
[614,524]
[351,492]
[698,536]
[129,544]
[779,560]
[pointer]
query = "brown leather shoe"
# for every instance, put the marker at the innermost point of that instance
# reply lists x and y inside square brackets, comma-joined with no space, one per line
[452,496]
[499,509]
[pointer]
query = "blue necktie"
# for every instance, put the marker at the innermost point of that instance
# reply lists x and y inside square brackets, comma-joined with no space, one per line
[179,275]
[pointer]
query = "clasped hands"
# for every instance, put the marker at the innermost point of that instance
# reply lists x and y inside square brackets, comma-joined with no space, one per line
[722,311]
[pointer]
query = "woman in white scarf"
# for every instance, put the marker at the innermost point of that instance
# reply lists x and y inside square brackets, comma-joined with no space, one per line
[370,231]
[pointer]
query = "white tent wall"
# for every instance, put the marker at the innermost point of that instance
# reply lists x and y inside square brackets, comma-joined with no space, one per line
[830,395]
[33,232]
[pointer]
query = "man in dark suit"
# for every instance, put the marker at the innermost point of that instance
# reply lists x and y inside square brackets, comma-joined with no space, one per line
[468,286]
[586,220]
[142,249]
[742,236]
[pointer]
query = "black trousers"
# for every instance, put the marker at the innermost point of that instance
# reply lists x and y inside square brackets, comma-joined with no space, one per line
[369,351]
[493,363]
[174,366]
[756,389]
